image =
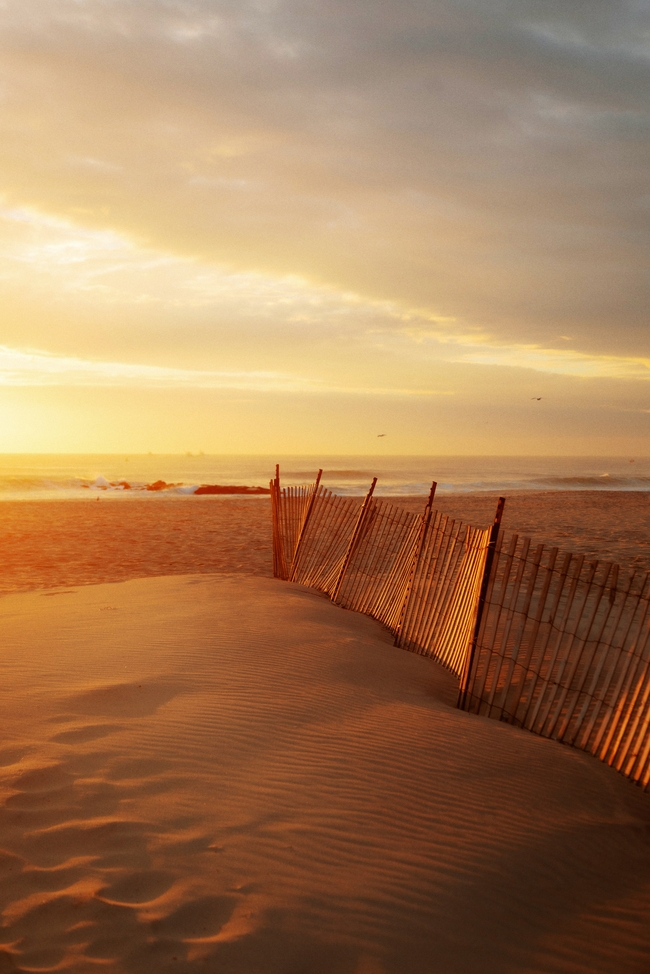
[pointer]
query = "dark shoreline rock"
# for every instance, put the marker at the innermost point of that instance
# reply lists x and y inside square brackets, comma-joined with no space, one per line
[218,489]
[161,485]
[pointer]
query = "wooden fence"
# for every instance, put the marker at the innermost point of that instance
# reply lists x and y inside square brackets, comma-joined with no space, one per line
[539,639]
[420,575]
[564,650]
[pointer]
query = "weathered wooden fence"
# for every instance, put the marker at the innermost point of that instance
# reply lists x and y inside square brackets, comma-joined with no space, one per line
[564,651]
[540,639]
[420,575]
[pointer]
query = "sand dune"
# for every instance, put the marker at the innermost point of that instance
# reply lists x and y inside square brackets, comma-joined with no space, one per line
[230,774]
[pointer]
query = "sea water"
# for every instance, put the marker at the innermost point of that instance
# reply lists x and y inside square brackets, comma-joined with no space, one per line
[49,476]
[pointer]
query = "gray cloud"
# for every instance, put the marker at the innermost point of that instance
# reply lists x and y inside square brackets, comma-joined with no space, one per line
[487,160]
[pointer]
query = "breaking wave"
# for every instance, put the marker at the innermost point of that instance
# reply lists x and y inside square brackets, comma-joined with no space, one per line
[52,478]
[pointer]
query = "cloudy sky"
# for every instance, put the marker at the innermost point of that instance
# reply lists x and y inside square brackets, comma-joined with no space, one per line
[288,226]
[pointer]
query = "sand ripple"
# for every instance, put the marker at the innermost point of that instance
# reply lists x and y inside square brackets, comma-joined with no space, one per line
[230,774]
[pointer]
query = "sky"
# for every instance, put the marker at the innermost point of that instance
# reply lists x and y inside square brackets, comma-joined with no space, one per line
[282,226]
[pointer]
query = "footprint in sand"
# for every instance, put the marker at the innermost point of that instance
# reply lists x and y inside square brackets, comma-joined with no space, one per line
[137,888]
[49,778]
[43,936]
[90,732]
[123,699]
[12,755]
[51,796]
[198,919]
[111,844]
[132,768]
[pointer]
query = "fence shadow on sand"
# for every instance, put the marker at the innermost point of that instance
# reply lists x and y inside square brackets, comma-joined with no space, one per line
[538,638]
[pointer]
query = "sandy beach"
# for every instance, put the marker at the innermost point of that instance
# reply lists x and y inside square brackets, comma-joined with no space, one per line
[232,774]
[53,543]
[269,269]
[207,769]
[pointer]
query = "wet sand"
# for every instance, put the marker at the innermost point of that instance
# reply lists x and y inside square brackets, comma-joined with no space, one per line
[232,775]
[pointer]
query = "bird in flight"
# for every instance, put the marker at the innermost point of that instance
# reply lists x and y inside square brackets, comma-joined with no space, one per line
[380,434]
[537,398]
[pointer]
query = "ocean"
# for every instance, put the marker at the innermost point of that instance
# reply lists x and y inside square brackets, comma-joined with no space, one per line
[50,476]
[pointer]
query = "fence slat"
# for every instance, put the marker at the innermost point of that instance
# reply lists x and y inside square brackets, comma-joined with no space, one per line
[536,637]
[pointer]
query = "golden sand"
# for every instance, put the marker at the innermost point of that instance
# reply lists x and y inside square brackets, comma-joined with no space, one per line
[54,543]
[233,775]
[225,773]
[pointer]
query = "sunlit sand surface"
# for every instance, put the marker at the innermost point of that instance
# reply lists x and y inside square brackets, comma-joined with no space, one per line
[230,774]
[72,542]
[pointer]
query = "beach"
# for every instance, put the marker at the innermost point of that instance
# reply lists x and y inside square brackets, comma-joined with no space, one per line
[207,769]
[50,543]
[229,774]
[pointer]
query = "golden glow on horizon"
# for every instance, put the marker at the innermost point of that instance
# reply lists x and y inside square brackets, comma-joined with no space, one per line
[104,267]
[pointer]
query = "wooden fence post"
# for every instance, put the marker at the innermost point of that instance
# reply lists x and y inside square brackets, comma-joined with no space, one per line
[494,534]
[274,528]
[356,535]
[303,527]
[426,521]
[279,563]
